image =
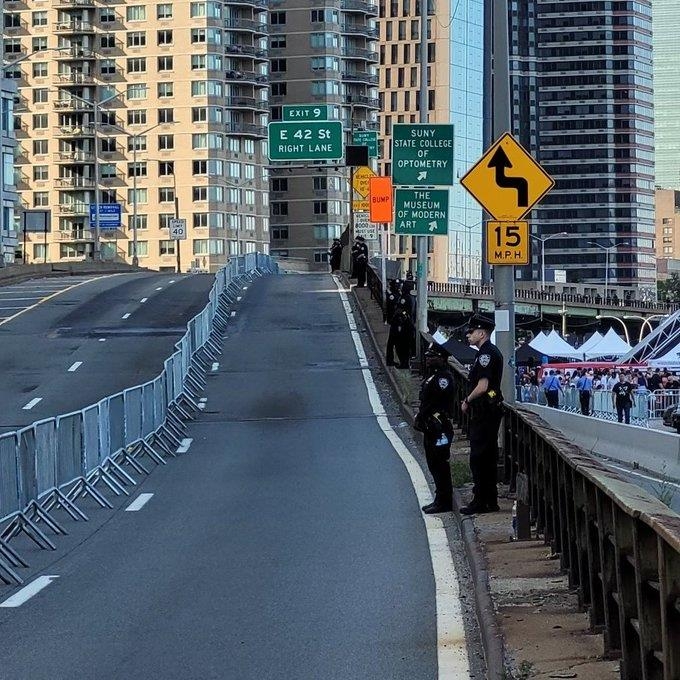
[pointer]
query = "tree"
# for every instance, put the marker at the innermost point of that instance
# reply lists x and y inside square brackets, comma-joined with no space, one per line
[669,290]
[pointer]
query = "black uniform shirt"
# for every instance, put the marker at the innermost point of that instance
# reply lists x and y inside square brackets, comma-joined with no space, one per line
[436,393]
[488,364]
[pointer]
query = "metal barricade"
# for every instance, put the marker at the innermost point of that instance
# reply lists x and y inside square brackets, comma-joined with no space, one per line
[116,422]
[132,400]
[10,501]
[69,449]
[91,438]
[148,411]
[660,400]
[28,485]
[105,450]
[45,455]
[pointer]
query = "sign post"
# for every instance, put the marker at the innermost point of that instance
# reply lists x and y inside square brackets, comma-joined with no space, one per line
[309,141]
[178,232]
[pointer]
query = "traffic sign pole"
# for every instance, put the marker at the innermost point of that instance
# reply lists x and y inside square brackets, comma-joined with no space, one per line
[504,276]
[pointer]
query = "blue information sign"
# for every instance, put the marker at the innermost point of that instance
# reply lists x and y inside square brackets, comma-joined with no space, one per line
[109,215]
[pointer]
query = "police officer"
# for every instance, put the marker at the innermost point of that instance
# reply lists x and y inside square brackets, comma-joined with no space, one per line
[400,338]
[484,404]
[335,254]
[434,421]
[361,261]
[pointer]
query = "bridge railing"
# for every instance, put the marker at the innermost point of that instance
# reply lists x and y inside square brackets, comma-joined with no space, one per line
[55,462]
[619,546]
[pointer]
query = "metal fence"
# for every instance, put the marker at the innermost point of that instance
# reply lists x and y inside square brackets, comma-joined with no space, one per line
[619,545]
[649,406]
[55,462]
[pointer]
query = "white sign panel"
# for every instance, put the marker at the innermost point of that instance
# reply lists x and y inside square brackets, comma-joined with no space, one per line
[178,229]
[363,227]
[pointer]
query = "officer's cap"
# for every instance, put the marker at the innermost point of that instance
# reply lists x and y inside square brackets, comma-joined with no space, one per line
[478,321]
[360,238]
[435,349]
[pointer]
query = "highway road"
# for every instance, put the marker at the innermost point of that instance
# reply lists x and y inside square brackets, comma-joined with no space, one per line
[287,544]
[66,343]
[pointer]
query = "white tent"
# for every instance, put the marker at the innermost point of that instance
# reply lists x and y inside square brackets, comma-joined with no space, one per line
[611,345]
[589,344]
[553,345]
[669,360]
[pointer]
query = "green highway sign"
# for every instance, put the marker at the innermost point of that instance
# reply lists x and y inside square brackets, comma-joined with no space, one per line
[421,212]
[300,112]
[422,155]
[312,141]
[367,138]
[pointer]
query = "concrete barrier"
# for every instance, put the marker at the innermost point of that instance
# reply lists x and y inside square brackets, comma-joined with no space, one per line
[22,272]
[652,450]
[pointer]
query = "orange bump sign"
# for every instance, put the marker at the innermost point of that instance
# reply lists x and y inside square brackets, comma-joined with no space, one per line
[380,199]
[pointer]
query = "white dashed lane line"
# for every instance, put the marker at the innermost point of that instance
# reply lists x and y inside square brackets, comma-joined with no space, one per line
[27,592]
[185,445]
[139,502]
[159,288]
[144,300]
[32,403]
[75,366]
[125,316]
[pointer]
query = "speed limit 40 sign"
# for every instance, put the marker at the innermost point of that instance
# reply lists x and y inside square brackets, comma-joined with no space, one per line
[178,229]
[507,242]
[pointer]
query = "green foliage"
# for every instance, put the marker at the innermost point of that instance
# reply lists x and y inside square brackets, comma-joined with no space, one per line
[460,473]
[669,289]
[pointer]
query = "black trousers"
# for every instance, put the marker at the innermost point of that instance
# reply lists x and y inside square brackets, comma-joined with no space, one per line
[623,413]
[360,270]
[553,398]
[483,434]
[584,398]
[437,458]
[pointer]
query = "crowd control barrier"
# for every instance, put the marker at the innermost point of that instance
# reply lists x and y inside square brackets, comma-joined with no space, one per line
[57,461]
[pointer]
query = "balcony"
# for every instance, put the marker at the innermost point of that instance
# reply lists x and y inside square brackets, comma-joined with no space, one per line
[75,52]
[252,77]
[359,6]
[360,53]
[73,131]
[71,105]
[76,156]
[74,209]
[257,5]
[246,103]
[66,4]
[246,25]
[76,26]
[246,51]
[75,79]
[359,29]
[75,235]
[74,183]
[360,77]
[246,130]
[362,100]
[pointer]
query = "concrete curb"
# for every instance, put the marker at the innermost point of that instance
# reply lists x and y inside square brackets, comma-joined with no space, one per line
[492,638]
[19,273]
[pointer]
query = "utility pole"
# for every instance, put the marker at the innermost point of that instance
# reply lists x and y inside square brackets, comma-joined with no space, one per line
[504,276]
[96,252]
[421,241]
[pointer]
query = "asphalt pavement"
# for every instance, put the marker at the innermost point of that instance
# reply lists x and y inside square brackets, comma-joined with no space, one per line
[77,340]
[287,544]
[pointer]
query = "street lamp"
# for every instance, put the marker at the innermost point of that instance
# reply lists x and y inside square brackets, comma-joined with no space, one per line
[468,245]
[606,271]
[543,239]
[645,320]
[620,320]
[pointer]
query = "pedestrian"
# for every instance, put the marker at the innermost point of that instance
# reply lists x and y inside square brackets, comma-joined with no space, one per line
[484,403]
[400,338]
[361,261]
[434,421]
[623,398]
[552,389]
[584,385]
[335,255]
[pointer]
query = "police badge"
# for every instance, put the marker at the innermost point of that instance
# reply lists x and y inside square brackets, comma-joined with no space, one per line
[484,360]
[443,383]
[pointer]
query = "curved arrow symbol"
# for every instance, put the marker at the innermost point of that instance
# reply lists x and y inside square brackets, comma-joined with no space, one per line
[500,162]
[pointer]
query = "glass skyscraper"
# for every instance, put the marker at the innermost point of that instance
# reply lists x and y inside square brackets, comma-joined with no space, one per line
[581,78]
[666,94]
[467,80]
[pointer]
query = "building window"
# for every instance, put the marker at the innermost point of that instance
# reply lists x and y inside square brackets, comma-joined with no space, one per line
[39,251]
[166,168]
[200,220]
[166,247]
[107,117]
[166,195]
[40,95]
[107,41]
[107,170]
[278,65]
[198,35]
[138,169]
[199,168]
[136,142]
[165,63]
[136,65]
[279,233]
[40,69]
[41,199]
[164,220]
[39,18]
[135,13]
[199,114]
[279,89]
[39,121]
[40,173]
[136,117]
[279,184]
[166,142]
[320,256]
[277,18]
[199,194]
[137,91]
[136,39]
[107,67]
[141,221]
[142,196]
[165,90]
[107,144]
[165,115]
[142,248]
[40,147]
[277,42]
[107,15]
[165,37]
[39,44]
[320,207]
[164,11]
[279,208]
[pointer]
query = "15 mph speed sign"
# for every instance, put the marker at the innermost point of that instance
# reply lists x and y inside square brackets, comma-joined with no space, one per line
[178,229]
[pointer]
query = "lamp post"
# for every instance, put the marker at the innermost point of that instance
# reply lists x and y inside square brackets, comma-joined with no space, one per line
[606,271]
[645,320]
[543,239]
[468,243]
[620,320]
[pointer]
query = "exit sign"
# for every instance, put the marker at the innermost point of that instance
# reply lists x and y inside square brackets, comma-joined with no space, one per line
[299,112]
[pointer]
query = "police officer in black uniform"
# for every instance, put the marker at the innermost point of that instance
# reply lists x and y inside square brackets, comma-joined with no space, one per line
[434,421]
[335,254]
[484,403]
[361,261]
[400,338]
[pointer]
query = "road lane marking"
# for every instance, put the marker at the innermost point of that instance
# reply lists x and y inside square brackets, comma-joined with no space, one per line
[238,299]
[75,366]
[233,314]
[144,299]
[172,281]
[215,366]
[452,655]
[139,502]
[634,473]
[19,307]
[20,299]
[125,316]
[102,339]
[185,445]
[159,288]
[53,295]
[27,592]
[32,403]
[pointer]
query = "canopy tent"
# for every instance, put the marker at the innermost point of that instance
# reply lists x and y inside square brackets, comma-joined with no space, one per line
[589,344]
[611,345]
[553,345]
[525,354]
[669,360]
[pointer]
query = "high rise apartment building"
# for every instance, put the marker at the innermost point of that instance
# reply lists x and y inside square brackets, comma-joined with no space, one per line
[159,106]
[666,94]
[581,76]
[668,224]
[322,52]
